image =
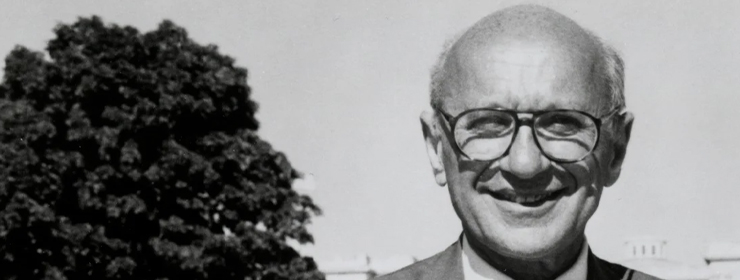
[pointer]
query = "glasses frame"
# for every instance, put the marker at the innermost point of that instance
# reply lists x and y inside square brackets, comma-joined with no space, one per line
[518,122]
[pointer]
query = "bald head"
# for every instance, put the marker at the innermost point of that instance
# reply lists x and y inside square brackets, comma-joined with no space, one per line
[528,23]
[531,32]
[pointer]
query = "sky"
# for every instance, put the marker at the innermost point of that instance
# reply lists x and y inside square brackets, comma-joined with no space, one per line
[341,85]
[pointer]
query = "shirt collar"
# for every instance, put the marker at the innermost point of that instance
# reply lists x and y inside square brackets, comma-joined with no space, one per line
[475,268]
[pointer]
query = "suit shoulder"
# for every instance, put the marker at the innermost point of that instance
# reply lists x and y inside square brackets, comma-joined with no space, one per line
[631,273]
[602,269]
[434,267]
[637,275]
[609,268]
[416,270]
[413,271]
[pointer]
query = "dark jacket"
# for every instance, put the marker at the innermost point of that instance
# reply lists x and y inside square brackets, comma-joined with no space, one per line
[447,265]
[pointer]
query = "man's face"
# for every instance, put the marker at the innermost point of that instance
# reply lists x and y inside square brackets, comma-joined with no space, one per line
[523,76]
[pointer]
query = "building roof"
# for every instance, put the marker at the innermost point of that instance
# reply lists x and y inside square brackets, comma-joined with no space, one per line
[390,264]
[365,264]
[354,264]
[666,269]
[722,251]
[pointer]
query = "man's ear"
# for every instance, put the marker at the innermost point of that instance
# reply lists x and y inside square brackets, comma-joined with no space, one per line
[432,139]
[622,131]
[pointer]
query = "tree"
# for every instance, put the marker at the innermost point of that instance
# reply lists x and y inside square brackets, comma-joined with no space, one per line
[135,156]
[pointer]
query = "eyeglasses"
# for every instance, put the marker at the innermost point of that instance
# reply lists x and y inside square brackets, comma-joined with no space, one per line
[563,136]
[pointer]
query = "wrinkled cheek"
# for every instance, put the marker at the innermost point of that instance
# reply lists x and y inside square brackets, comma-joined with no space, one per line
[592,197]
[589,186]
[458,202]
[475,213]
[459,193]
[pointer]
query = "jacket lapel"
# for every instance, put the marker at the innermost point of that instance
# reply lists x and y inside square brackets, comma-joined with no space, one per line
[599,269]
[448,264]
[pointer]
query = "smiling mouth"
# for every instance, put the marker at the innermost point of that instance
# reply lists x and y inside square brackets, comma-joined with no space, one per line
[527,200]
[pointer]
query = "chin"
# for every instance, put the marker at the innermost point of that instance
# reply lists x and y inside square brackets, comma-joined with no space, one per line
[533,243]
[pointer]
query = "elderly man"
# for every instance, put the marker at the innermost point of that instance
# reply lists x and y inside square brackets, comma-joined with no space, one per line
[528,126]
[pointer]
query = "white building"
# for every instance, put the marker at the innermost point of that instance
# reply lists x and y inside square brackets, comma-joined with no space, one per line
[724,260]
[648,255]
[362,267]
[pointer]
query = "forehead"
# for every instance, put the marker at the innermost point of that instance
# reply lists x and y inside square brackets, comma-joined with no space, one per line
[522,75]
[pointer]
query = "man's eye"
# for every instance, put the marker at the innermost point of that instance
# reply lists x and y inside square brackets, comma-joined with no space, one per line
[562,125]
[491,123]
[562,128]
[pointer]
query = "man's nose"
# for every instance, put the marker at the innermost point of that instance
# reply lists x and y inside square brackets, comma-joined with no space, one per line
[525,160]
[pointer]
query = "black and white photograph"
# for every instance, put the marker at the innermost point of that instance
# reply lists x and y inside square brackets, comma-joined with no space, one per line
[353,140]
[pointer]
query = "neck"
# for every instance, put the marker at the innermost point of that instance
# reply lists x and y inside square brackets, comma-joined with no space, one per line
[547,267]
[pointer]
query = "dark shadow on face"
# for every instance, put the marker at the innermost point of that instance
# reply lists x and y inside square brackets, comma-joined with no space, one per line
[571,175]
[588,173]
[537,183]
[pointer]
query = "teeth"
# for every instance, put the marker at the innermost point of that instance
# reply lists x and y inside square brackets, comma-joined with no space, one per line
[525,198]
[528,198]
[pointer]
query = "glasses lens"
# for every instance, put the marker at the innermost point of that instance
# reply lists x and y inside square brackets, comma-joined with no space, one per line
[565,135]
[484,134]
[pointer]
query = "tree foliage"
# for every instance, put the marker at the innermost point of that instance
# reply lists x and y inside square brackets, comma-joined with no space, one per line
[129,155]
